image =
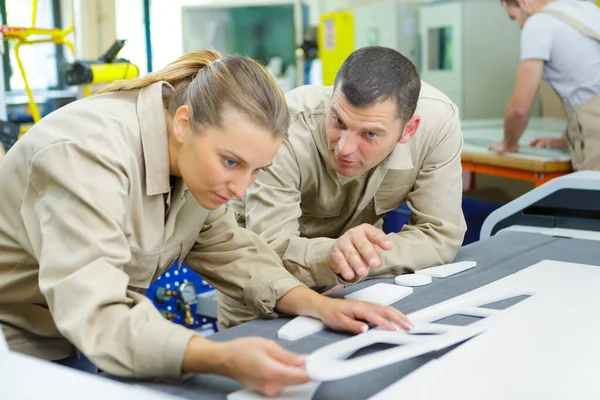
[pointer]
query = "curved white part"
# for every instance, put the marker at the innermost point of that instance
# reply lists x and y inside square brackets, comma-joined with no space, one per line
[384,294]
[413,280]
[300,327]
[331,363]
[428,329]
[582,180]
[328,363]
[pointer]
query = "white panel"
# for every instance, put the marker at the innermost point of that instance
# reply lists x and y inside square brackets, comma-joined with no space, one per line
[491,57]
[444,271]
[485,49]
[205,28]
[547,350]
[553,333]
[390,24]
[300,392]
[24,378]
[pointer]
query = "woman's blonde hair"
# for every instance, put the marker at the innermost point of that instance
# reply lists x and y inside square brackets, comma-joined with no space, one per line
[208,83]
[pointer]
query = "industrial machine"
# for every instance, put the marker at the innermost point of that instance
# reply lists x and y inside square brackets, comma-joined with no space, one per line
[470,51]
[389,24]
[183,297]
[269,32]
[107,68]
[567,206]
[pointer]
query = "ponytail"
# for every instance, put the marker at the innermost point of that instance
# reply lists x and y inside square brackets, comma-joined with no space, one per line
[207,87]
[184,69]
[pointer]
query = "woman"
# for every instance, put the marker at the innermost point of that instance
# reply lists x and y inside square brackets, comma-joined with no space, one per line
[101,196]
[560,41]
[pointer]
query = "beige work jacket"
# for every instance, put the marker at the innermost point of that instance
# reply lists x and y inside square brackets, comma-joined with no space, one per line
[300,205]
[84,229]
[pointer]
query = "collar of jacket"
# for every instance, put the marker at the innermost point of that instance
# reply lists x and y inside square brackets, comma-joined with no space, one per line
[155,141]
[400,158]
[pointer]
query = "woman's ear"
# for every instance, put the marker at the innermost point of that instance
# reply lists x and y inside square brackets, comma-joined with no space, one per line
[182,125]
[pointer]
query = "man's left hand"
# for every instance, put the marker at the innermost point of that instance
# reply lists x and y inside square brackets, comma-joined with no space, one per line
[358,250]
[504,147]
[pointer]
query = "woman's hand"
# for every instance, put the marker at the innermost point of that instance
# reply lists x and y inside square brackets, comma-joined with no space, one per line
[350,315]
[257,363]
[340,314]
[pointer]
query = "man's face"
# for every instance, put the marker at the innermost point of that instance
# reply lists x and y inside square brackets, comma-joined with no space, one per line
[361,138]
[516,13]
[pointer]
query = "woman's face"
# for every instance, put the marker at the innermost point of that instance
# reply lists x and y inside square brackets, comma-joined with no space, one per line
[218,164]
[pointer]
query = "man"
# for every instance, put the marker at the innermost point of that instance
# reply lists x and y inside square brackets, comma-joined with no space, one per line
[560,41]
[355,152]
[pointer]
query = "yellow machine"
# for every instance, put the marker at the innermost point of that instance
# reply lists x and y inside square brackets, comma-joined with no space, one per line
[336,42]
[104,70]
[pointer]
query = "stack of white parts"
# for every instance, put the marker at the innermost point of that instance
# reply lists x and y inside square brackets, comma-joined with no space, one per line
[546,346]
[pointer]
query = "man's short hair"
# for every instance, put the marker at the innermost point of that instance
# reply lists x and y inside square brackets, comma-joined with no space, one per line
[374,74]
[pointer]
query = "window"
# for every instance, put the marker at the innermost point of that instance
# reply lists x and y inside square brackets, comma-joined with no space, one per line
[40,61]
[131,23]
[440,48]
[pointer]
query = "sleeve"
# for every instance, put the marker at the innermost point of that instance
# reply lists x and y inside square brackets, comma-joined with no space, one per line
[272,210]
[74,211]
[437,225]
[536,38]
[238,263]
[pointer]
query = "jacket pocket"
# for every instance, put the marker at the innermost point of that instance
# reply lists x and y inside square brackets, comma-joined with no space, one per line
[320,208]
[141,268]
[390,199]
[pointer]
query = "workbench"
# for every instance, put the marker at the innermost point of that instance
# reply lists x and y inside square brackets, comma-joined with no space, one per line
[529,164]
[497,257]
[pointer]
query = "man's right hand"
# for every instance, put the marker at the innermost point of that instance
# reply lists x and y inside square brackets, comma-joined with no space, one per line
[257,363]
[550,143]
[358,250]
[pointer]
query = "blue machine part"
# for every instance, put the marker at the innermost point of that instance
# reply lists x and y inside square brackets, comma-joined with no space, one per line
[179,305]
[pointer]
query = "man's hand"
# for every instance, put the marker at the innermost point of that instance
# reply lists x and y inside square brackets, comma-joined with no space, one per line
[350,315]
[358,250]
[258,363]
[550,143]
[504,147]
